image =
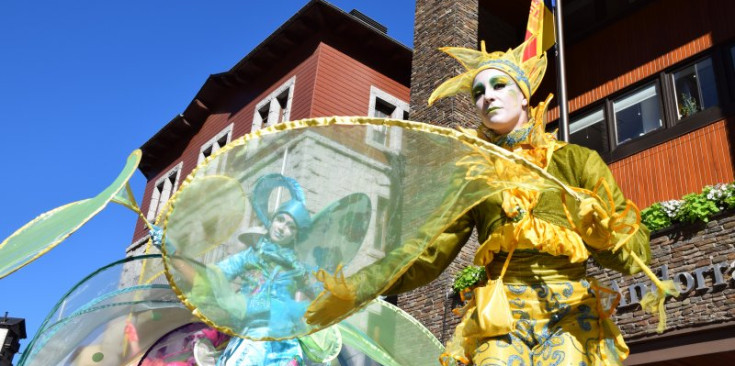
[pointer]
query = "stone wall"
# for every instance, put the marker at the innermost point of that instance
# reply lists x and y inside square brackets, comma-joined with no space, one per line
[700,259]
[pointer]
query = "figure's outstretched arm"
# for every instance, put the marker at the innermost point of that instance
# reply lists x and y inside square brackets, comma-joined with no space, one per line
[605,247]
[342,294]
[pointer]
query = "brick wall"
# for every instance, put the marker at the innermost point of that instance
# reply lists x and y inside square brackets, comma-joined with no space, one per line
[437,24]
[691,253]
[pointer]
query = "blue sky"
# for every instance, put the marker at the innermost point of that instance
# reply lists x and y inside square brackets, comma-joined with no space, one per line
[83,83]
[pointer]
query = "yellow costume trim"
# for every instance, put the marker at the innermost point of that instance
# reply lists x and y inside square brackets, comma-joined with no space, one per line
[523,230]
[527,74]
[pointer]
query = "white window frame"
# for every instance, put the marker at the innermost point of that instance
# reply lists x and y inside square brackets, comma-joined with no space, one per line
[156,196]
[213,143]
[276,114]
[393,136]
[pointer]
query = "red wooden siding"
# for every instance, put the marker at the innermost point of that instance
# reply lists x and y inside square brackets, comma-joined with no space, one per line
[635,48]
[677,167]
[343,85]
[328,83]
[242,121]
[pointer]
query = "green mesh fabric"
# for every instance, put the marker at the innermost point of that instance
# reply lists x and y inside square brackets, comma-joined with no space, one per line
[88,325]
[49,229]
[377,192]
[390,336]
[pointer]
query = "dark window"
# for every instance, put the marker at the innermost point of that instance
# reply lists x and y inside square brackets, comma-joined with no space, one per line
[695,88]
[263,112]
[383,109]
[637,113]
[589,130]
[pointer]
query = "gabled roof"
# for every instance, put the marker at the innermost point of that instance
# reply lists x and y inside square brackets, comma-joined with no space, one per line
[356,35]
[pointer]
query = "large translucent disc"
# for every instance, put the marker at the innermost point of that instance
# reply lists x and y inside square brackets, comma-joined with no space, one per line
[364,196]
[51,228]
[206,213]
[94,323]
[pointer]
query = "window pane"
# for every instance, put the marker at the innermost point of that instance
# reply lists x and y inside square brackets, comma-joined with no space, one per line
[695,88]
[380,134]
[637,114]
[589,131]
[383,109]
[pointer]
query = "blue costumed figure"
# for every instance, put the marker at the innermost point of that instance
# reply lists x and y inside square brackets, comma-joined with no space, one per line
[278,284]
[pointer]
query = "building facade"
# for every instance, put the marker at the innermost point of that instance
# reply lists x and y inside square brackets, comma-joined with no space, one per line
[650,86]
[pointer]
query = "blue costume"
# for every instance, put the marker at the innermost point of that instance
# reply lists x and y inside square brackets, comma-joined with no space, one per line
[272,275]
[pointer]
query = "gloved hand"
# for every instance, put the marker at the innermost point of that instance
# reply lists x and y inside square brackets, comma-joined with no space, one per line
[598,223]
[595,224]
[336,300]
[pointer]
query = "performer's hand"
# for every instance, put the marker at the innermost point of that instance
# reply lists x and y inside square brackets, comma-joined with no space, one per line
[326,308]
[594,224]
[336,300]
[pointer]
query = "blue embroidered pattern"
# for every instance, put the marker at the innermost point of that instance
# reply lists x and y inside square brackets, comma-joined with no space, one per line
[546,339]
[518,74]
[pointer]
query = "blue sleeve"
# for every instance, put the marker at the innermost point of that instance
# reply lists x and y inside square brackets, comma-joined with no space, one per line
[237,263]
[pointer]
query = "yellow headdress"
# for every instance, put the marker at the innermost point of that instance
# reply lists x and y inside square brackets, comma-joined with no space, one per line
[526,73]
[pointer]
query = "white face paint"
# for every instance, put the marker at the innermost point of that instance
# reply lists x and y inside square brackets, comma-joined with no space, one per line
[499,100]
[283,229]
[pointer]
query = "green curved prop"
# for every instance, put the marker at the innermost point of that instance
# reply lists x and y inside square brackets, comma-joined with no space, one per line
[390,336]
[51,228]
[89,325]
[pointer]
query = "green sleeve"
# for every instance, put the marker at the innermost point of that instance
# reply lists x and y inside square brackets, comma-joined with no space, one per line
[595,168]
[436,257]
[435,244]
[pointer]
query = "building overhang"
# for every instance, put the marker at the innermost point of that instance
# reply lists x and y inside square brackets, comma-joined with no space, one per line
[316,22]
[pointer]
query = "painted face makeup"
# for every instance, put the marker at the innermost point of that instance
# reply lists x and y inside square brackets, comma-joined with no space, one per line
[500,102]
[283,229]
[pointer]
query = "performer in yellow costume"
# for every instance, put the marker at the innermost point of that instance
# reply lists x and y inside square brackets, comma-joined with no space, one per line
[539,307]
[527,240]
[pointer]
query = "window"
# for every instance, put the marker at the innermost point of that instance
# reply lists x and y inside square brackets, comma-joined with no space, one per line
[276,107]
[695,88]
[381,224]
[674,103]
[162,191]
[637,113]
[590,130]
[384,105]
[215,143]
